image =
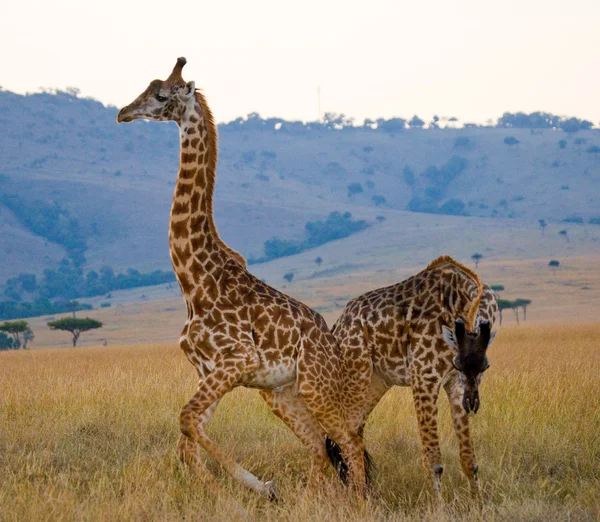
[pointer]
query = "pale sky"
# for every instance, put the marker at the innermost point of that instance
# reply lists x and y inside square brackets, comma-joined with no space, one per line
[473,59]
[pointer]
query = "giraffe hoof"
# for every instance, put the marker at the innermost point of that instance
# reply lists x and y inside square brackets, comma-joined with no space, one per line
[271,491]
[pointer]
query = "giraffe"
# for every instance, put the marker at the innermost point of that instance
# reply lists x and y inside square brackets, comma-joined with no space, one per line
[414,334]
[240,331]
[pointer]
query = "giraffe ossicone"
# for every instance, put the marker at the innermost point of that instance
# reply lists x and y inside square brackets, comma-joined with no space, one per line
[240,331]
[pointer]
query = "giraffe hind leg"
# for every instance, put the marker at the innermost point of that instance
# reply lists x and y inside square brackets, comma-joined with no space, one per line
[292,410]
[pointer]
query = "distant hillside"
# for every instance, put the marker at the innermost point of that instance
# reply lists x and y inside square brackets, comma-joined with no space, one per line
[73,182]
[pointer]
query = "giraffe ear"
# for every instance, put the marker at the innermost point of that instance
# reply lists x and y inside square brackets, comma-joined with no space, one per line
[189,90]
[449,337]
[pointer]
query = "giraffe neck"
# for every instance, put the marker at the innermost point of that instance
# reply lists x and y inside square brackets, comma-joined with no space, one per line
[195,246]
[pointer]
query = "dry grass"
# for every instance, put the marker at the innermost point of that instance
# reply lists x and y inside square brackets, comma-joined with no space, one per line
[89,434]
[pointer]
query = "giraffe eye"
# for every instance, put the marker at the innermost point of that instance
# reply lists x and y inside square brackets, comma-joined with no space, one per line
[161,99]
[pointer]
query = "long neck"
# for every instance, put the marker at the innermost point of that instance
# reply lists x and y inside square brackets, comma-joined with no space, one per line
[460,295]
[195,245]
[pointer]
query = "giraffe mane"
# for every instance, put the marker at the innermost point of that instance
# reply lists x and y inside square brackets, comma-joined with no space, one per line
[472,313]
[213,151]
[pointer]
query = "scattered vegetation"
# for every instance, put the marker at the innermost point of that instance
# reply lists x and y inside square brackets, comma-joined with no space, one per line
[336,226]
[41,306]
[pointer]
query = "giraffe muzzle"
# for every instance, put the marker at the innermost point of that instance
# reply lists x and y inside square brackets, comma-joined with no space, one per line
[471,401]
[123,117]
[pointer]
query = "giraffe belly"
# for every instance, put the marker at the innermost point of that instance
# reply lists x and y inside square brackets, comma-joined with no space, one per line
[270,377]
[393,372]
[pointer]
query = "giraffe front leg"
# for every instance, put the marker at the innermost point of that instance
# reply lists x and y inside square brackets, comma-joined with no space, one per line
[188,449]
[460,421]
[229,369]
[425,395]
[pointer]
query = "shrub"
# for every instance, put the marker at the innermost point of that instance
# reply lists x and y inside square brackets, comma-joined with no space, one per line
[462,142]
[354,188]
[511,140]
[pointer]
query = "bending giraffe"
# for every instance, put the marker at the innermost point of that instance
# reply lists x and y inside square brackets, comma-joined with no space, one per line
[428,332]
[239,331]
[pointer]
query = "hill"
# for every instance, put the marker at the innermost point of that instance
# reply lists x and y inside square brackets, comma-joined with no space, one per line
[73,182]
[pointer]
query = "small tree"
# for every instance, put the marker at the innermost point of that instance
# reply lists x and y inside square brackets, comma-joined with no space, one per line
[497,289]
[28,337]
[511,140]
[554,264]
[289,276]
[354,188]
[565,234]
[416,122]
[543,225]
[19,331]
[378,200]
[504,304]
[75,326]
[381,219]
[319,260]
[523,303]
[477,257]
[562,143]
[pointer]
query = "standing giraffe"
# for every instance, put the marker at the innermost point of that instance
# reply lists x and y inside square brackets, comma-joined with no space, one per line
[239,331]
[399,335]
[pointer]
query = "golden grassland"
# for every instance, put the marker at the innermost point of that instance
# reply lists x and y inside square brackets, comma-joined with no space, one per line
[90,434]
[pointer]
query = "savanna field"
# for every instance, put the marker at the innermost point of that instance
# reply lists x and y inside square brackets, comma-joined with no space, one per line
[90,434]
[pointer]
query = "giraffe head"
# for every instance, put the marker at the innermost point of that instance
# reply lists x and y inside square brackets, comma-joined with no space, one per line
[470,359]
[162,100]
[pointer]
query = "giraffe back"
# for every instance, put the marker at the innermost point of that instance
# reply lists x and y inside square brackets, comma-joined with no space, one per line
[379,328]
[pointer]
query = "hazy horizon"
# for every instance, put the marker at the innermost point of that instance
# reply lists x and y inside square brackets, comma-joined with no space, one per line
[472,61]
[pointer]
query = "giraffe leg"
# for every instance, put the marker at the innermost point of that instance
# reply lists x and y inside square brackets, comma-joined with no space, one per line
[331,416]
[425,395]
[292,410]
[460,421]
[188,449]
[228,370]
[376,391]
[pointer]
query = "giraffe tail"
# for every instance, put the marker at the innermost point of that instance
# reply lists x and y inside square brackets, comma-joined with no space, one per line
[341,466]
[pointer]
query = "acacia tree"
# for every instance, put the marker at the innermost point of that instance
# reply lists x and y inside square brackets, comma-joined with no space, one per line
[319,260]
[75,326]
[19,331]
[504,304]
[497,289]
[523,303]
[543,225]
[476,257]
